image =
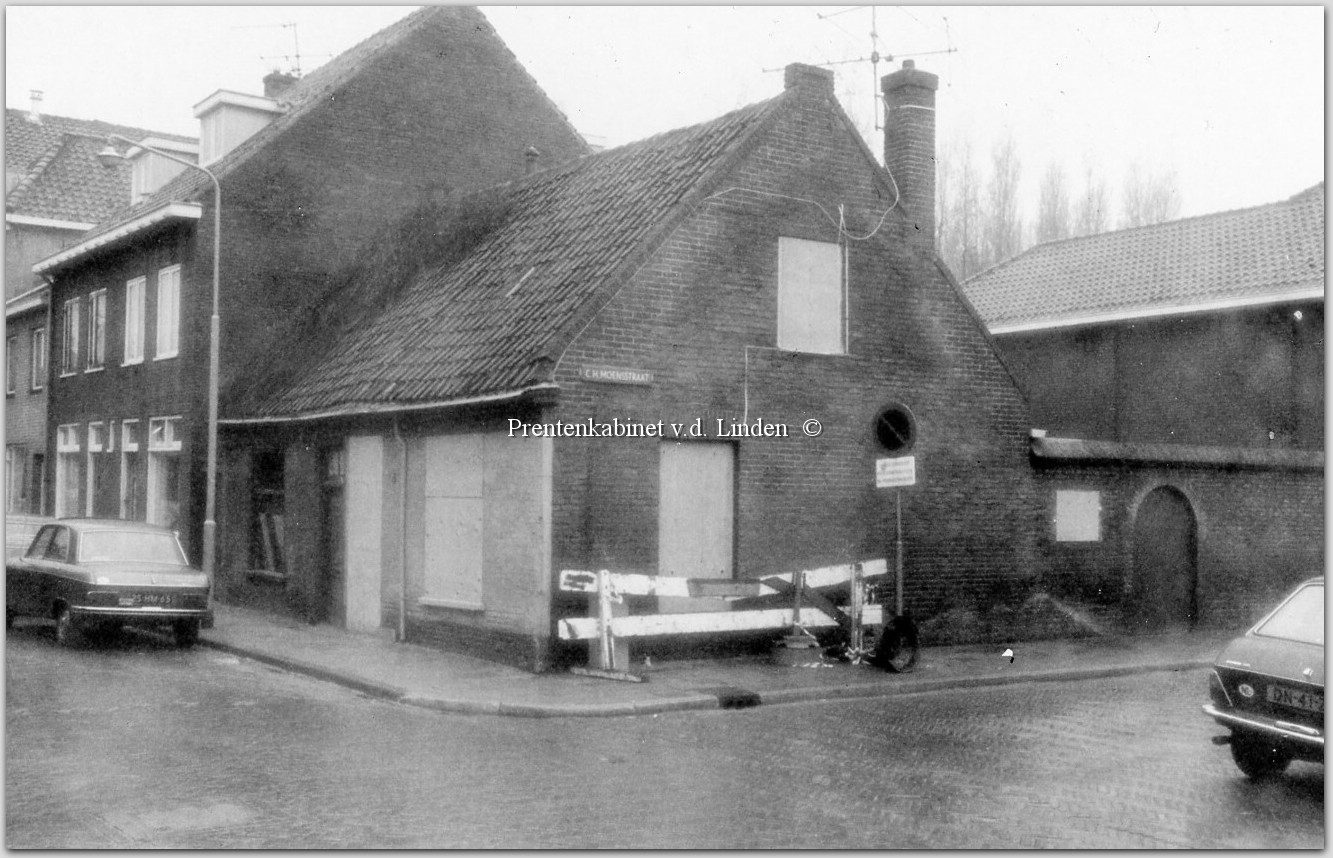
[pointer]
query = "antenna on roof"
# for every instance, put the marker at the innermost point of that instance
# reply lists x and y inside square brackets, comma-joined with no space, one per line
[294,58]
[875,56]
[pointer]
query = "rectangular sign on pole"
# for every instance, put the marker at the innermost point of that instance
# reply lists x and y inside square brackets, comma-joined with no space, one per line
[892,473]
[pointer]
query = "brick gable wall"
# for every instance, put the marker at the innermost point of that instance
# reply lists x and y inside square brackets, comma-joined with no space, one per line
[705,305]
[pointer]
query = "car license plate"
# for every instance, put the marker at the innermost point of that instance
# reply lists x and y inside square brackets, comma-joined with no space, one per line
[1284,696]
[138,600]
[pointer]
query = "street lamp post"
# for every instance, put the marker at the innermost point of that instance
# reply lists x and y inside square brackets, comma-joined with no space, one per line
[107,157]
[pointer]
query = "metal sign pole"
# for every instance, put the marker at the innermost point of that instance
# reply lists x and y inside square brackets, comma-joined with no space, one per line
[898,571]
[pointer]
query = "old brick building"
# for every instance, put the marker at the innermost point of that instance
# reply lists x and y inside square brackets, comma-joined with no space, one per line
[308,172]
[438,458]
[55,190]
[1177,371]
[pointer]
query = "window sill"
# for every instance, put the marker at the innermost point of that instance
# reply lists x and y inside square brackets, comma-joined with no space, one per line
[132,362]
[165,357]
[427,602]
[92,369]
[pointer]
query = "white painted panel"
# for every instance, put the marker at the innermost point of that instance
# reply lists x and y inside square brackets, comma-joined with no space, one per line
[364,529]
[454,518]
[810,296]
[454,466]
[695,516]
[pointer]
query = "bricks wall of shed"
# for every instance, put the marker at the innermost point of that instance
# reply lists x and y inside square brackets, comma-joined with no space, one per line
[1259,532]
[701,317]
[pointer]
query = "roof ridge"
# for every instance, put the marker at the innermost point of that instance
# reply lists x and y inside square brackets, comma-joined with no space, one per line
[34,172]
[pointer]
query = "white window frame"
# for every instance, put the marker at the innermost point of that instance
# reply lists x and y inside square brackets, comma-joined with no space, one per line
[812,297]
[163,439]
[1078,515]
[11,366]
[129,444]
[67,441]
[168,313]
[96,441]
[38,340]
[136,292]
[96,355]
[69,347]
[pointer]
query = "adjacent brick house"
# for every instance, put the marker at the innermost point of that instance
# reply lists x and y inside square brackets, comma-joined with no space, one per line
[438,461]
[1177,371]
[308,172]
[55,190]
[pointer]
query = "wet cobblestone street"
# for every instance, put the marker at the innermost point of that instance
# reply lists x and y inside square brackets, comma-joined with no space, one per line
[138,745]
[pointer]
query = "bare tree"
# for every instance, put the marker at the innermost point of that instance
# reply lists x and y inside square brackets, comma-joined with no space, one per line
[957,193]
[1148,198]
[1003,229]
[1053,219]
[1092,213]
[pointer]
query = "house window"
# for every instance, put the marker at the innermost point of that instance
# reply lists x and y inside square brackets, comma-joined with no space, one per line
[96,441]
[810,296]
[168,312]
[69,347]
[163,495]
[96,330]
[38,358]
[1078,516]
[134,315]
[131,472]
[13,479]
[69,470]
[11,365]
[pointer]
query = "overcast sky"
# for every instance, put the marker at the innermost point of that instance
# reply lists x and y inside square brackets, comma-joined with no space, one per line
[1230,98]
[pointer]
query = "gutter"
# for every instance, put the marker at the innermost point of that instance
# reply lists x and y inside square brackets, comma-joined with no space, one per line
[170,211]
[377,409]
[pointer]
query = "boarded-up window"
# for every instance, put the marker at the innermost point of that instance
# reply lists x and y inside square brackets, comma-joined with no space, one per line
[810,317]
[453,521]
[1078,516]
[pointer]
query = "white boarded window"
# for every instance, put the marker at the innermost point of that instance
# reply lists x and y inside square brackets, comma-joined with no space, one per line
[134,315]
[1078,516]
[453,525]
[810,317]
[168,312]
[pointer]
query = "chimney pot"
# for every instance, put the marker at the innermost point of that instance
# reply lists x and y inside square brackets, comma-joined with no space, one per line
[530,157]
[35,106]
[909,142]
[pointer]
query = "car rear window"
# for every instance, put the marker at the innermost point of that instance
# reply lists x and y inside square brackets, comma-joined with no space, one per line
[115,546]
[1301,618]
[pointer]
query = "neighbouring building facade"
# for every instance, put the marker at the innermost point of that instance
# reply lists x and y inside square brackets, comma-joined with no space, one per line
[55,190]
[308,171]
[667,357]
[1176,375]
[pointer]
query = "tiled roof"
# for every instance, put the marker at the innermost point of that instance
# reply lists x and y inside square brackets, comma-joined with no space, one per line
[492,322]
[1245,256]
[56,170]
[307,93]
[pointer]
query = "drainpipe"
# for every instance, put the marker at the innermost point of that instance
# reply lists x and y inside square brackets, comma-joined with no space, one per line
[402,535]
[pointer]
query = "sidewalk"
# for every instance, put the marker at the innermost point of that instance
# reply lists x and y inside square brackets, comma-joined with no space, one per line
[408,673]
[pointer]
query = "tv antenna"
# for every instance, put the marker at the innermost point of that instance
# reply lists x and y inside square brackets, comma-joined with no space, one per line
[875,56]
[294,58]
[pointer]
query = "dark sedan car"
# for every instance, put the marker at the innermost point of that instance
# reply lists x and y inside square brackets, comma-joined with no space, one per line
[1267,686]
[97,575]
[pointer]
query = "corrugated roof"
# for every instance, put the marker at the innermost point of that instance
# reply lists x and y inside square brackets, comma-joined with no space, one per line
[307,93]
[1245,256]
[489,323]
[58,175]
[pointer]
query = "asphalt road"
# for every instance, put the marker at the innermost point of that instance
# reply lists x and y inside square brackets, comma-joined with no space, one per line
[138,745]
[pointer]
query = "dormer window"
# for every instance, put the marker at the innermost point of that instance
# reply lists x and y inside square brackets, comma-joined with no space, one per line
[810,297]
[150,171]
[226,119]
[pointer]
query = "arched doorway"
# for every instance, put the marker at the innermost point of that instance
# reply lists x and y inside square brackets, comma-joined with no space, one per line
[1166,574]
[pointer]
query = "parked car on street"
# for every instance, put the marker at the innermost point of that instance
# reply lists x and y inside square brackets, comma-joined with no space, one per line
[93,576]
[1267,686]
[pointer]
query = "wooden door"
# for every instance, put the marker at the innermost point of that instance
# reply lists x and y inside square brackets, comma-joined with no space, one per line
[1165,562]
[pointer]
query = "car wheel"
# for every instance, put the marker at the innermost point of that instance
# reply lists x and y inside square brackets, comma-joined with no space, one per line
[898,646]
[67,631]
[186,633]
[1256,757]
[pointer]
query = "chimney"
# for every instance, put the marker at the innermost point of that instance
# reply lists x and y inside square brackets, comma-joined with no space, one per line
[277,83]
[909,142]
[531,156]
[35,108]
[809,80]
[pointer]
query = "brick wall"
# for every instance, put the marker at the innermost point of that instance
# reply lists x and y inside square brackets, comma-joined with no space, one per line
[701,316]
[1259,532]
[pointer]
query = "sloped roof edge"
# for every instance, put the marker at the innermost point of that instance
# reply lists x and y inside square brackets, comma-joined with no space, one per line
[170,211]
[1085,450]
